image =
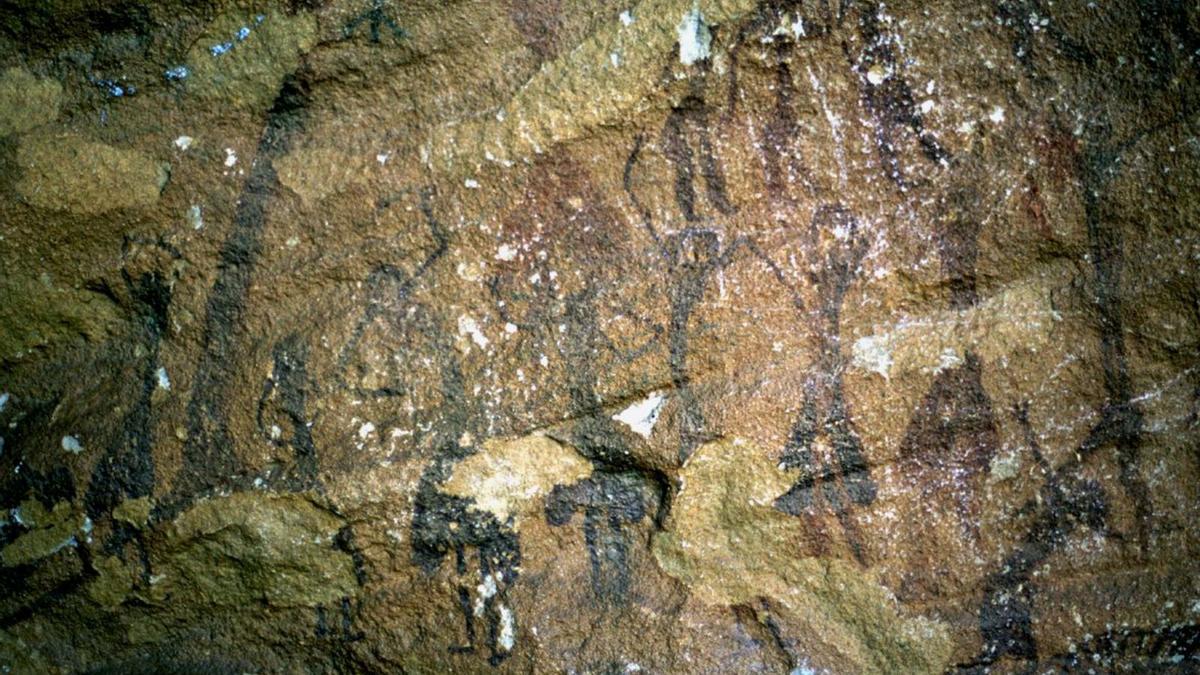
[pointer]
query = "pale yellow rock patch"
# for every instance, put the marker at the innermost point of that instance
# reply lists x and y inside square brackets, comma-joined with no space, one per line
[67,172]
[730,546]
[583,90]
[1020,315]
[509,477]
[26,101]
[315,173]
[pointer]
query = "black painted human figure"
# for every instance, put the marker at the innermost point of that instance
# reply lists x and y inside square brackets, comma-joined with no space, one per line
[888,98]
[1067,501]
[1064,504]
[823,446]
[952,436]
[376,18]
[487,554]
[618,493]
[284,422]
[692,256]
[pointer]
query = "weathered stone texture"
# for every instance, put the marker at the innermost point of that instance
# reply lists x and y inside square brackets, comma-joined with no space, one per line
[600,337]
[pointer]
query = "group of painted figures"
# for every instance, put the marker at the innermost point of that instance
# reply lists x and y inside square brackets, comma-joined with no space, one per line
[953,432]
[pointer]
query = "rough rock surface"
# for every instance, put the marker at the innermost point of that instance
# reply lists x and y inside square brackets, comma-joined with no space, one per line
[664,336]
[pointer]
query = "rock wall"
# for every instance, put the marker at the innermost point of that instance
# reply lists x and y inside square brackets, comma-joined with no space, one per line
[671,336]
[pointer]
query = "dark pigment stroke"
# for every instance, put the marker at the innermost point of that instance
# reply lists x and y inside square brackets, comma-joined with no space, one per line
[443,524]
[952,436]
[692,257]
[620,492]
[126,470]
[376,18]
[1064,504]
[285,397]
[390,291]
[889,102]
[1067,501]
[209,457]
[823,445]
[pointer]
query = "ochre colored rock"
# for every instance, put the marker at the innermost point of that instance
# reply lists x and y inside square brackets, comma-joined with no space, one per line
[509,478]
[27,101]
[241,57]
[731,547]
[251,548]
[66,172]
[542,336]
[50,531]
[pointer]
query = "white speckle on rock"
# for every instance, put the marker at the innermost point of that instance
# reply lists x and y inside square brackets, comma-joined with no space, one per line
[510,328]
[872,353]
[164,382]
[366,430]
[195,217]
[72,445]
[695,40]
[507,629]
[1004,467]
[798,28]
[643,415]
[626,18]
[946,360]
[876,74]
[488,588]
[471,183]
[506,253]
[615,59]
[997,115]
[468,326]
[276,432]
[183,143]
[230,157]
[927,106]
[383,157]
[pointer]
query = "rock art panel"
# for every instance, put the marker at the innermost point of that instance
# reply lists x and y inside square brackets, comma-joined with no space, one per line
[668,336]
